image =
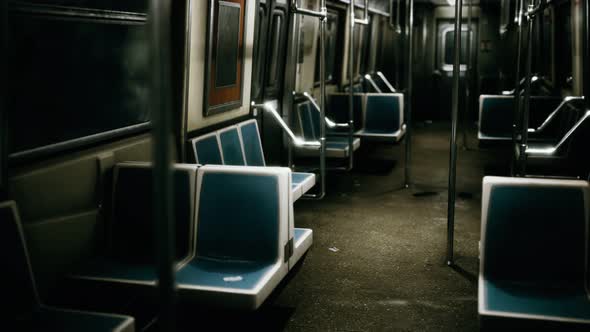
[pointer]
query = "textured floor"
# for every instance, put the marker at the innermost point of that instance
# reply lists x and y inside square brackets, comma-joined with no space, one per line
[378,258]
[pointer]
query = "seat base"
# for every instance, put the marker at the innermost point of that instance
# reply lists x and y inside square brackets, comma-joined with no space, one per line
[506,300]
[228,284]
[336,147]
[64,320]
[301,183]
[393,137]
[302,240]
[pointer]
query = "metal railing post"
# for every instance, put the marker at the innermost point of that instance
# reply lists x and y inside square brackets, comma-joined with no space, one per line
[522,160]
[408,117]
[323,16]
[467,78]
[516,136]
[352,19]
[453,157]
[161,99]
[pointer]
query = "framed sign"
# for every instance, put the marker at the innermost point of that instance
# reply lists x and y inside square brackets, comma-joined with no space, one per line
[224,62]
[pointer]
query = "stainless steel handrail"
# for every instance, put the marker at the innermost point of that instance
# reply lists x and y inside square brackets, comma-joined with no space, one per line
[534,79]
[386,81]
[369,79]
[322,14]
[297,141]
[397,26]
[551,150]
[566,102]
[331,124]
[365,19]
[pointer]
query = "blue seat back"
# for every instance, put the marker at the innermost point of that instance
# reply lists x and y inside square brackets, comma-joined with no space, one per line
[132,227]
[207,150]
[238,214]
[497,113]
[307,121]
[383,113]
[338,109]
[231,147]
[535,231]
[18,284]
[252,143]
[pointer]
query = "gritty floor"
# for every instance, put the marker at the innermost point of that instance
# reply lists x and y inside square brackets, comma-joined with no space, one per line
[378,257]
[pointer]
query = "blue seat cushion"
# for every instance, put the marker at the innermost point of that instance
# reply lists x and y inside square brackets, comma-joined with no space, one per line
[231,147]
[111,270]
[207,151]
[205,272]
[249,229]
[54,320]
[252,147]
[536,301]
[297,178]
[382,114]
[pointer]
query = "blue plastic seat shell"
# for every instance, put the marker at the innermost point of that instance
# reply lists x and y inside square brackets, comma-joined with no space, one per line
[62,320]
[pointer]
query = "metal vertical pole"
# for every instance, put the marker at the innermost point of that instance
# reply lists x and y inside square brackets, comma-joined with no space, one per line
[351,18]
[160,28]
[586,53]
[323,20]
[527,93]
[409,102]
[468,77]
[455,114]
[516,135]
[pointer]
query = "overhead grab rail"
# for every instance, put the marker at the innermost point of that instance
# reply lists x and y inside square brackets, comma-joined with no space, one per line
[551,150]
[395,26]
[369,79]
[386,81]
[297,141]
[331,124]
[365,19]
[534,79]
[564,104]
[322,15]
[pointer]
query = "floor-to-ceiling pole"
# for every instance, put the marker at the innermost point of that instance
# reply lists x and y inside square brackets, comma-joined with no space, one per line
[161,99]
[453,156]
[351,18]
[468,77]
[409,102]
[516,137]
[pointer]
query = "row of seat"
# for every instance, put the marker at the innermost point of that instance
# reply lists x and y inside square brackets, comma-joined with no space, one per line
[235,234]
[24,309]
[534,251]
[240,145]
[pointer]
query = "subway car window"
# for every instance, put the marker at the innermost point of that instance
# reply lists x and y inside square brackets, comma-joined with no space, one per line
[333,47]
[564,45]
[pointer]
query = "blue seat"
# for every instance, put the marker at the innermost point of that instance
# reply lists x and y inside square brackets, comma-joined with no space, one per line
[309,127]
[534,250]
[20,291]
[241,145]
[131,259]
[338,109]
[383,117]
[207,150]
[240,251]
[496,114]
[231,147]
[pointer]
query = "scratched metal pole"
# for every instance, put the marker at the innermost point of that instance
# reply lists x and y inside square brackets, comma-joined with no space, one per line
[453,157]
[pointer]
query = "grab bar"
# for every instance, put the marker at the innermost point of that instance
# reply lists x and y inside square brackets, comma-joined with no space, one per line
[566,102]
[548,151]
[322,14]
[397,26]
[373,84]
[513,91]
[365,19]
[331,124]
[386,81]
[297,141]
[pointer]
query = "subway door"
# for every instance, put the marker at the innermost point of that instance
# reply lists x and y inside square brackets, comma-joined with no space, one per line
[443,74]
[269,67]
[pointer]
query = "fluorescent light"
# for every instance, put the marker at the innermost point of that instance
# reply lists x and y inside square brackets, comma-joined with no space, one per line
[451,2]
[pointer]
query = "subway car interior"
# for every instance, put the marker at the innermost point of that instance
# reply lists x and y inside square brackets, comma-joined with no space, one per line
[295,165]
